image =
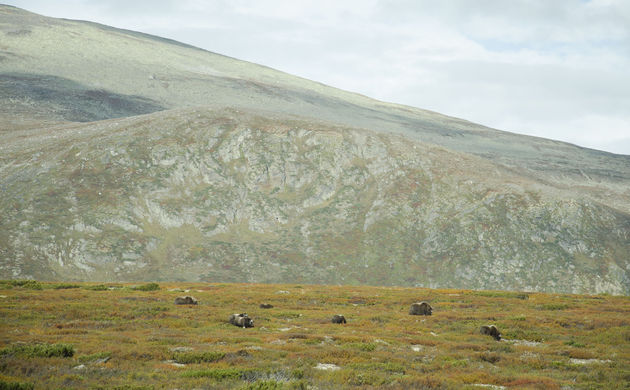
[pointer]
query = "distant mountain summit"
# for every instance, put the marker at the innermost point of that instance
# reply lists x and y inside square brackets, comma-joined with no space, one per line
[131,157]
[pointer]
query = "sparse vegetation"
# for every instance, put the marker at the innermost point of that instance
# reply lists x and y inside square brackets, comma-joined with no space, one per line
[138,340]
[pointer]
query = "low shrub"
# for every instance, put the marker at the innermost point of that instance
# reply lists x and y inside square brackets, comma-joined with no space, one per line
[94,356]
[197,357]
[147,287]
[264,385]
[63,286]
[217,373]
[25,284]
[39,350]
[489,357]
[15,385]
[501,294]
[366,347]
[97,287]
[574,343]
[553,306]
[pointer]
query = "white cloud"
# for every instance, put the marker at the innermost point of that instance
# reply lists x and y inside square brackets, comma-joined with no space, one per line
[550,68]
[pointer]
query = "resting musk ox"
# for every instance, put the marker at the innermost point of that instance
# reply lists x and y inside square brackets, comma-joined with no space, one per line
[490,330]
[266,305]
[420,309]
[187,300]
[338,319]
[241,320]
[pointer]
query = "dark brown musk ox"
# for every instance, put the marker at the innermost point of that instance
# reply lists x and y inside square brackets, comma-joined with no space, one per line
[420,309]
[187,300]
[242,320]
[266,306]
[338,319]
[490,330]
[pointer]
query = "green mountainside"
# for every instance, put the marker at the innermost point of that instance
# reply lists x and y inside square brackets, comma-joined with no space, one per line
[129,157]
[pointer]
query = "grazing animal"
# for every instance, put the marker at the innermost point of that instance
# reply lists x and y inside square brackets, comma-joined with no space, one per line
[187,300]
[490,330]
[338,319]
[420,309]
[266,305]
[241,320]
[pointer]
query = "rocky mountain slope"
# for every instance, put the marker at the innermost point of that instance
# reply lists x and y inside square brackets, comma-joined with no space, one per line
[198,194]
[237,172]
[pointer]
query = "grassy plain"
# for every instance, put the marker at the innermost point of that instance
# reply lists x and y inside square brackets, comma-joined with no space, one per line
[122,336]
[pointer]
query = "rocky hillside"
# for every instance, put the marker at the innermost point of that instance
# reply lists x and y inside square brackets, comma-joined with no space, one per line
[204,195]
[128,157]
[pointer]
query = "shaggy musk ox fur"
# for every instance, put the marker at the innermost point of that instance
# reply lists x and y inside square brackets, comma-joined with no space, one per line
[420,309]
[490,330]
[266,305]
[338,319]
[241,320]
[187,300]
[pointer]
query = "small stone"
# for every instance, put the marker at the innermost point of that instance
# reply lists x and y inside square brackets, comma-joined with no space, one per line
[589,361]
[327,366]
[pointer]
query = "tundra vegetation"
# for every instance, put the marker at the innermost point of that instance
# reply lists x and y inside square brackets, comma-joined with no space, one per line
[118,336]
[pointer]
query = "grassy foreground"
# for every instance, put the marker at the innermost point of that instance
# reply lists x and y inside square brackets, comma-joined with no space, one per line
[134,337]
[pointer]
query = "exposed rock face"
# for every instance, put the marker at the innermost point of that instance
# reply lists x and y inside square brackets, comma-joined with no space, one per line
[285,186]
[202,195]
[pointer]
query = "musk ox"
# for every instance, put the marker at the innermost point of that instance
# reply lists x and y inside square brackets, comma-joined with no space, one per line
[490,330]
[420,309]
[266,305]
[338,319]
[241,320]
[187,300]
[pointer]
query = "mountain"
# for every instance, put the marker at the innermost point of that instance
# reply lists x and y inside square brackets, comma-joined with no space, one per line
[131,157]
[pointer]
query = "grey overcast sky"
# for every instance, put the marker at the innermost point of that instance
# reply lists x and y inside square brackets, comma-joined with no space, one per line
[558,69]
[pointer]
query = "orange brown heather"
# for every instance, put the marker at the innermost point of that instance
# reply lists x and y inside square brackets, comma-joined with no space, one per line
[121,337]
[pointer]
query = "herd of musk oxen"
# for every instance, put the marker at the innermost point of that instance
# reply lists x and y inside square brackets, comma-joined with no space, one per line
[417,309]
